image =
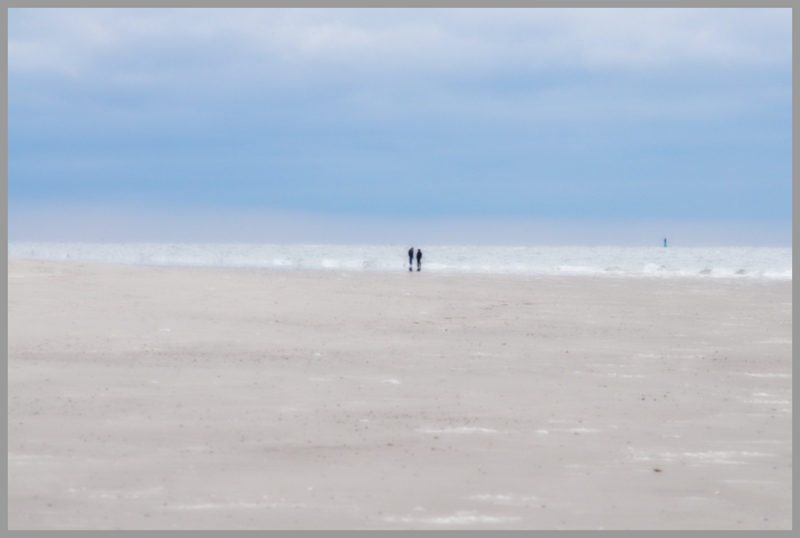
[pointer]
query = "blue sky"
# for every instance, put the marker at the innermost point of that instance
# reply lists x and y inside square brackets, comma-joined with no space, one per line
[532,126]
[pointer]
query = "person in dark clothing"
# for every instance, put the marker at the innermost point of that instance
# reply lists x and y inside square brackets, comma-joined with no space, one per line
[419,259]
[410,258]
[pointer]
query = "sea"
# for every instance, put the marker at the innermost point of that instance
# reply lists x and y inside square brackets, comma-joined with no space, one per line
[645,262]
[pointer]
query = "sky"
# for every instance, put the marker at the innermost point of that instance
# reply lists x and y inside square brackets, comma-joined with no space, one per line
[485,126]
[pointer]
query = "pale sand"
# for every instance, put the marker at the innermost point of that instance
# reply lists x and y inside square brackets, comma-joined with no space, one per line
[199,398]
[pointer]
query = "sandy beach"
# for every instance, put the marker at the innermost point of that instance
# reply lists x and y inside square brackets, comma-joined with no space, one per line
[161,398]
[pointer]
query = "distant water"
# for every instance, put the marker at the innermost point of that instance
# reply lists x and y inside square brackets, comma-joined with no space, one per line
[725,262]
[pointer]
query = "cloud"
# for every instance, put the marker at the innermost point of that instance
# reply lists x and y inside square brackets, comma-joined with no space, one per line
[490,111]
[653,39]
[404,64]
[391,42]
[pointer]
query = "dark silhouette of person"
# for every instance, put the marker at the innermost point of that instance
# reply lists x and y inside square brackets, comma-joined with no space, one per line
[665,241]
[419,259]
[410,258]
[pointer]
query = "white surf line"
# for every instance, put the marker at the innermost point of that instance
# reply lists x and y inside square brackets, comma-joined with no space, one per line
[749,414]
[720,457]
[610,374]
[29,459]
[461,429]
[733,481]
[722,453]
[234,504]
[458,518]
[504,499]
[27,275]
[121,494]
[219,506]
[612,365]
[765,375]
[571,430]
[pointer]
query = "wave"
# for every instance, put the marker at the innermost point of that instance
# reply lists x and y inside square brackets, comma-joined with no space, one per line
[723,262]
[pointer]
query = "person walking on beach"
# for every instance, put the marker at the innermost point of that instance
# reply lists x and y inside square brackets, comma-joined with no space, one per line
[410,258]
[419,259]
